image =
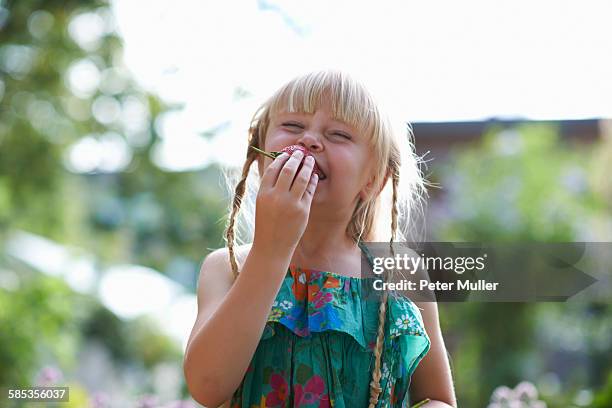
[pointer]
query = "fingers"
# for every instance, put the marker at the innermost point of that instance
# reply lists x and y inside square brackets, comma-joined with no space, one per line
[287,173]
[303,177]
[310,189]
[271,173]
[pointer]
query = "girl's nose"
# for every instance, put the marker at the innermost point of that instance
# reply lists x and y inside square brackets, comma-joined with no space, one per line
[311,142]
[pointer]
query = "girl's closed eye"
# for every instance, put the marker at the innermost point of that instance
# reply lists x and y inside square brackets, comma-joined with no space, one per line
[301,127]
[293,125]
[344,135]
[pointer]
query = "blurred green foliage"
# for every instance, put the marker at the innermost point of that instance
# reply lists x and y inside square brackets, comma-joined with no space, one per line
[523,184]
[44,322]
[139,341]
[36,320]
[141,214]
[604,397]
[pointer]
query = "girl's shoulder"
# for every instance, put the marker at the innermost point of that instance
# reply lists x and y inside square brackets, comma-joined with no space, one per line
[219,258]
[241,252]
[216,271]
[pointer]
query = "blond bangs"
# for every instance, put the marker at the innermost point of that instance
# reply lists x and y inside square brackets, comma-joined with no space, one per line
[384,130]
[350,102]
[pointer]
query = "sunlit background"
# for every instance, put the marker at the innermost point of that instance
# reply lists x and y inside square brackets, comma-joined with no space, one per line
[116,118]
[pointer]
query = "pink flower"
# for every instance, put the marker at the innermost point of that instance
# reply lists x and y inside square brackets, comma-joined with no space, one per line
[100,400]
[147,401]
[49,376]
[310,393]
[304,332]
[279,392]
[321,298]
[523,395]
[324,402]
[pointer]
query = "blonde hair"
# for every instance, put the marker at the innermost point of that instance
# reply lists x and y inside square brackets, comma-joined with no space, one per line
[399,189]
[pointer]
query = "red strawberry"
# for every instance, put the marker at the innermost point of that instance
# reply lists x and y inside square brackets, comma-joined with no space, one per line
[290,150]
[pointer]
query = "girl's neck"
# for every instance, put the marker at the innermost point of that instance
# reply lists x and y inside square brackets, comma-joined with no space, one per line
[324,236]
[326,249]
[313,248]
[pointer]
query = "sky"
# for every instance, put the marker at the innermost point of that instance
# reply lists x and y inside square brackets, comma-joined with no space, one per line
[435,61]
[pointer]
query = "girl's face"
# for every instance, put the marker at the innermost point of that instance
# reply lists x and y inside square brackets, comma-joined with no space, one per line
[340,151]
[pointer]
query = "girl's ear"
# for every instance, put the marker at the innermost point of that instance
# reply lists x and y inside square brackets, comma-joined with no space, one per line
[368,189]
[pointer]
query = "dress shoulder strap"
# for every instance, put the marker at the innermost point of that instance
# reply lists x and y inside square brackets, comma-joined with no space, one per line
[366,252]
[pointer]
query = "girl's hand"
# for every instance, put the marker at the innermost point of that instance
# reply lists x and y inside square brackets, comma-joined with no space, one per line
[283,204]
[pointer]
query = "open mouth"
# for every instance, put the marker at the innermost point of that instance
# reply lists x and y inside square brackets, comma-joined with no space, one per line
[290,149]
[317,170]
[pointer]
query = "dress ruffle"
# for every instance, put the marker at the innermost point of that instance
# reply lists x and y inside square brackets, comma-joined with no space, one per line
[311,301]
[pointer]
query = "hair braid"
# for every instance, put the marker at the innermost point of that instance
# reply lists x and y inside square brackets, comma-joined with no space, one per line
[238,195]
[375,388]
[394,212]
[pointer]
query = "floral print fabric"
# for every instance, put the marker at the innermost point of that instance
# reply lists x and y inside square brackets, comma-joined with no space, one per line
[316,349]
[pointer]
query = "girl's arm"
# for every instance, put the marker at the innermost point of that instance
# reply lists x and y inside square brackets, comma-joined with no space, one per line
[432,379]
[231,317]
[230,321]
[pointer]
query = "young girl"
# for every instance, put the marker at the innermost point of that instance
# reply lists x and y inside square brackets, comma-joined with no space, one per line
[282,321]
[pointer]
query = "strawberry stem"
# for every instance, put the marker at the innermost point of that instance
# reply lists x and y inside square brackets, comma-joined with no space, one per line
[271,155]
[421,403]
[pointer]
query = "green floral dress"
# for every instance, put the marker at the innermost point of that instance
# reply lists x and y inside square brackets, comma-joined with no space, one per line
[316,349]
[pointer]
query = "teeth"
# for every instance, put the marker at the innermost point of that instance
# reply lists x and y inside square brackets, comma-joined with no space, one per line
[322,175]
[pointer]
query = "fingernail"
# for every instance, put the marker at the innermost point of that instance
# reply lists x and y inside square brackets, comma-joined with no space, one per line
[297,153]
[310,159]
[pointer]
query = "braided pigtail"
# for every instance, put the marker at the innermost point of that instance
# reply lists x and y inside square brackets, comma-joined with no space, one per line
[238,196]
[394,211]
[375,388]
